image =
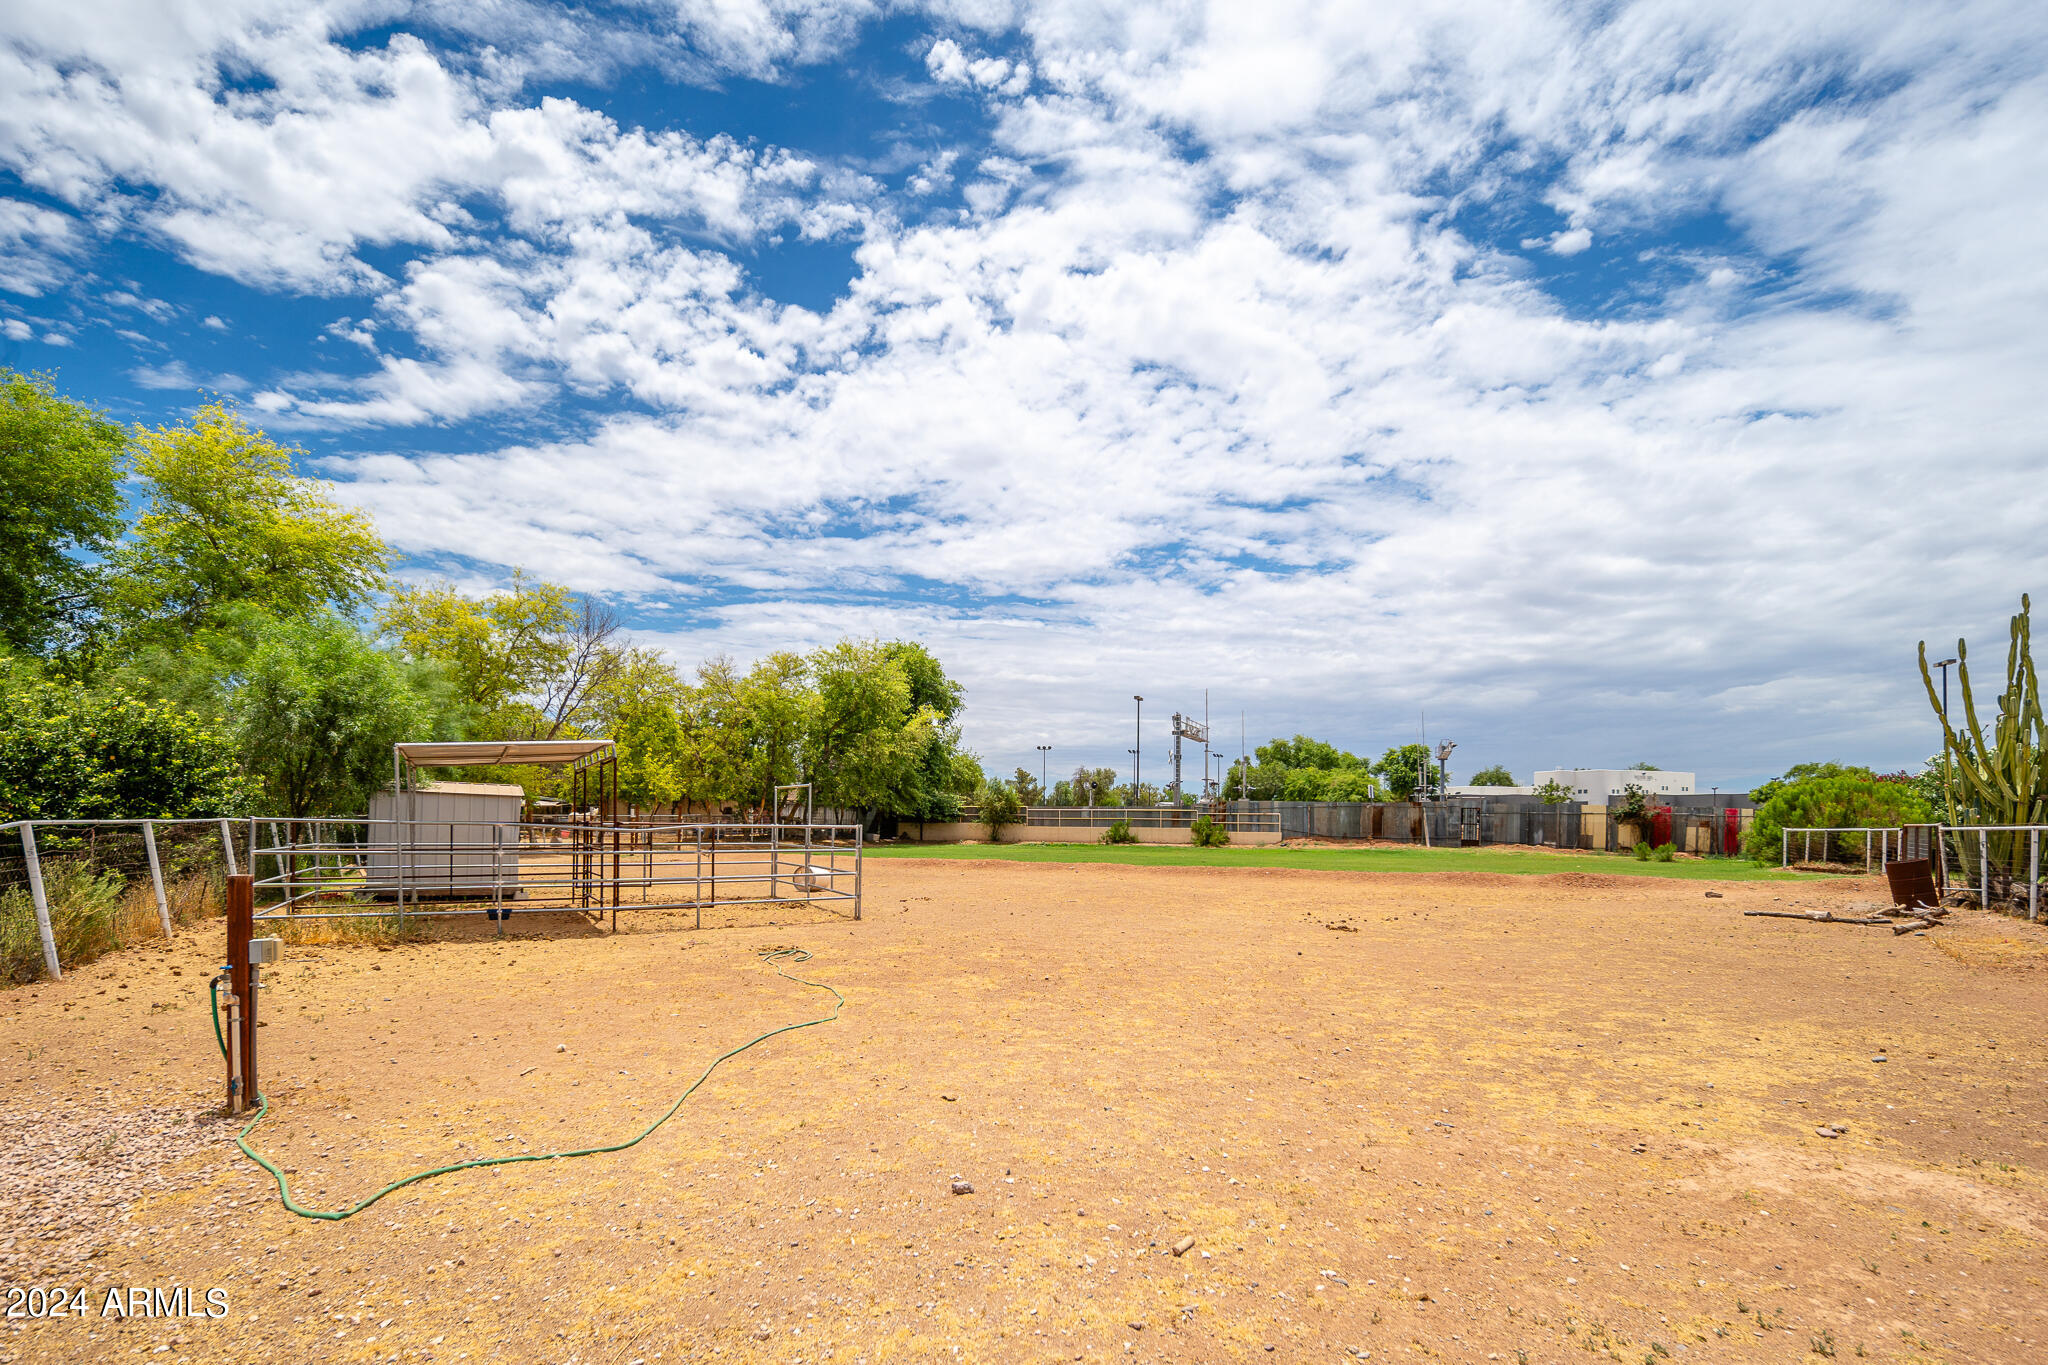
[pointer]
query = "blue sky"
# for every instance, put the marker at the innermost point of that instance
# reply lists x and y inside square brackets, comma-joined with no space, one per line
[1609,382]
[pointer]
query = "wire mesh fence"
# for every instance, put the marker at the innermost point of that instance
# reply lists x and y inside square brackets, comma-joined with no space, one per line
[72,889]
[1997,867]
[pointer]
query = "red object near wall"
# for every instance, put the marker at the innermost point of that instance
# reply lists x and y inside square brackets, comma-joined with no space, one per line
[1660,826]
[1731,830]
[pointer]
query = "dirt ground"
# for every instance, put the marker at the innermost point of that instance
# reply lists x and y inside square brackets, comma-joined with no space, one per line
[1455,1117]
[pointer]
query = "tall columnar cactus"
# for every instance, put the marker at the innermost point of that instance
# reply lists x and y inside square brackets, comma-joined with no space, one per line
[2000,778]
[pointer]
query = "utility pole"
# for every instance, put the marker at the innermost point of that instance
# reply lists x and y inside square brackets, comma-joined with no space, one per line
[1044,792]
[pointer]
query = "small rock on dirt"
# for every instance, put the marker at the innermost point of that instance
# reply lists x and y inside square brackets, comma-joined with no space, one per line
[1135,1326]
[1715,896]
[1183,1246]
[962,1187]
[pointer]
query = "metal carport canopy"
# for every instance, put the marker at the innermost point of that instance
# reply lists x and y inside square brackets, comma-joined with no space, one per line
[483,753]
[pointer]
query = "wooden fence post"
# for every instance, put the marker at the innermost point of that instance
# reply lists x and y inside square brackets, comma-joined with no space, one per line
[241,924]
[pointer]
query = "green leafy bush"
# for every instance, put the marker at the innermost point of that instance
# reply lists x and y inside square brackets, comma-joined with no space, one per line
[68,753]
[1119,833]
[1664,853]
[1846,801]
[1209,834]
[1642,850]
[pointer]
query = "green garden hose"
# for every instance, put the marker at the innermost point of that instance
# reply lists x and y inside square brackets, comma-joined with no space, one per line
[284,1192]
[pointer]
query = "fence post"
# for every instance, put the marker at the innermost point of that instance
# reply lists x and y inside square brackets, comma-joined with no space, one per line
[156,875]
[1983,870]
[1784,847]
[2033,874]
[241,977]
[227,846]
[41,903]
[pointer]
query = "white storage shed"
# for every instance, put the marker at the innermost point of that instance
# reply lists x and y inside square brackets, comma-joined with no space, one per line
[461,842]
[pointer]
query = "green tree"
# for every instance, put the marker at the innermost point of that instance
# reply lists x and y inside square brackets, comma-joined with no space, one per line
[1001,807]
[1094,787]
[60,501]
[1851,800]
[317,706]
[642,705]
[529,660]
[227,521]
[1644,768]
[779,709]
[1304,752]
[1402,768]
[1303,784]
[1806,772]
[868,737]
[1492,777]
[1554,793]
[68,752]
[1028,789]
[1351,784]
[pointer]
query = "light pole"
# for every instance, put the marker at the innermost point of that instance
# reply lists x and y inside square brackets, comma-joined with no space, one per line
[1443,772]
[1139,739]
[1946,773]
[1044,792]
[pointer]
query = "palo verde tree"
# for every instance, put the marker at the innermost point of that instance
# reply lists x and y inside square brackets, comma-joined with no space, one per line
[60,502]
[1492,777]
[528,660]
[227,521]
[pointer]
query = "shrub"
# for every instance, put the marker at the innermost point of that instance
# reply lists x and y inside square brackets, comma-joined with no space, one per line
[1841,801]
[67,753]
[87,908]
[1642,850]
[1664,853]
[1209,834]
[1119,833]
[1634,806]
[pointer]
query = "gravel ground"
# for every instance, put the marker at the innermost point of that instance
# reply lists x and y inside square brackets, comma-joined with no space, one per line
[1452,1117]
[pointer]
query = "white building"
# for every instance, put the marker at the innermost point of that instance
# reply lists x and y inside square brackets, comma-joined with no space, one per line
[1600,785]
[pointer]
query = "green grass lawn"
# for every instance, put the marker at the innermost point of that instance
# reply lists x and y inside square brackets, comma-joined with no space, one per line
[1350,860]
